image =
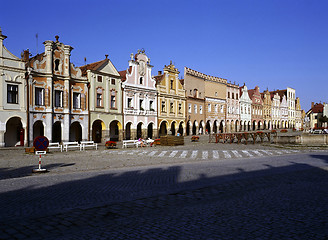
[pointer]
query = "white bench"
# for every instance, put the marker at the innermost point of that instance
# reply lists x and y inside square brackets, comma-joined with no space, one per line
[127,143]
[85,144]
[55,145]
[68,145]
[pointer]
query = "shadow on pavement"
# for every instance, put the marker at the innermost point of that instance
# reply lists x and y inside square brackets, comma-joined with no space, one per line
[283,197]
[6,173]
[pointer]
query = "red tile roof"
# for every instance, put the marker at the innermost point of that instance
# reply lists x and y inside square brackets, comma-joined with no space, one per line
[93,66]
[317,108]
[124,72]
[280,92]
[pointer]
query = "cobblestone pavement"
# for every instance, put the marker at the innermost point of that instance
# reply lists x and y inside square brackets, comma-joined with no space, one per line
[269,196]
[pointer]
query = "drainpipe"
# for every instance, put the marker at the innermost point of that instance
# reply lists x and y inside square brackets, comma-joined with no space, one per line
[88,85]
[27,107]
[122,109]
[26,56]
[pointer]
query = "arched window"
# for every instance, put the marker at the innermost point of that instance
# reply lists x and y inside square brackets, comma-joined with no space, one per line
[57,61]
[196,92]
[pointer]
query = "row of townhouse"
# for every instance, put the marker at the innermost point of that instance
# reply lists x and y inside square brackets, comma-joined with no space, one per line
[215,105]
[47,95]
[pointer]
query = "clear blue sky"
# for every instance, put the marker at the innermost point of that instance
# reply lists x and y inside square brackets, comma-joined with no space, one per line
[269,43]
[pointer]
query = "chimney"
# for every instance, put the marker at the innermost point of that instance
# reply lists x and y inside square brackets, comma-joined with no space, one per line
[26,55]
[159,72]
[106,56]
[312,104]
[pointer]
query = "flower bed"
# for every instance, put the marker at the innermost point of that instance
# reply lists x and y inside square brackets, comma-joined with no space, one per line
[194,138]
[110,144]
[283,130]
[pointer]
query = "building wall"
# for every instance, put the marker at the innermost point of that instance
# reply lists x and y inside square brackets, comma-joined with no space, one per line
[233,114]
[245,108]
[275,110]
[13,119]
[215,103]
[105,82]
[49,72]
[171,93]
[267,110]
[136,91]
[291,98]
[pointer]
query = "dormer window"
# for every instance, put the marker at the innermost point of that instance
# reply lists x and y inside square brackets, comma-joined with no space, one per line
[172,84]
[195,92]
[57,61]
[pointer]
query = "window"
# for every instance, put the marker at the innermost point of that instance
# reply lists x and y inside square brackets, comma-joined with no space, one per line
[209,107]
[12,93]
[228,94]
[99,102]
[216,108]
[200,109]
[76,100]
[171,107]
[195,92]
[216,94]
[113,81]
[130,103]
[141,80]
[39,96]
[172,84]
[58,98]
[163,106]
[189,108]
[195,108]
[180,107]
[57,61]
[221,110]
[151,105]
[99,99]
[233,96]
[99,79]
[113,101]
[237,96]
[141,104]
[190,92]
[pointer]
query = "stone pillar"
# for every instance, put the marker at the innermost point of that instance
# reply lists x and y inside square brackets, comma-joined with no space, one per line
[120,134]
[48,126]
[2,134]
[67,51]
[133,134]
[65,127]
[48,52]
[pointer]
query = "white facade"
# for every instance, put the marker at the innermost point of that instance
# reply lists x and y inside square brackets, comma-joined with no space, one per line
[325,109]
[245,108]
[283,112]
[13,124]
[233,115]
[275,110]
[139,98]
[291,97]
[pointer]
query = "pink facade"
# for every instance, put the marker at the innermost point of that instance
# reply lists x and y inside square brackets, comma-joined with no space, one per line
[257,108]
[139,98]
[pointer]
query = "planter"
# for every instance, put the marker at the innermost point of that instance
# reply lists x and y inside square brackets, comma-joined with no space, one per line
[110,144]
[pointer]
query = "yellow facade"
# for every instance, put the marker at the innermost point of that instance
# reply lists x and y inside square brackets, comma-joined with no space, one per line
[171,102]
